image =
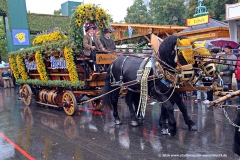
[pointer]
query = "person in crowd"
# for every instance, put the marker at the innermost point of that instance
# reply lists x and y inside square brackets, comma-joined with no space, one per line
[237,71]
[91,44]
[6,77]
[10,78]
[107,42]
[224,72]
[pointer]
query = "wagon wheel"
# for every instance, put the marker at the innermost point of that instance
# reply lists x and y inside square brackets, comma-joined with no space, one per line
[69,103]
[70,127]
[97,104]
[26,94]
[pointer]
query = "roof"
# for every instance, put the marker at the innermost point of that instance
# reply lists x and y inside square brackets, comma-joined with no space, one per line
[42,22]
[212,23]
[148,26]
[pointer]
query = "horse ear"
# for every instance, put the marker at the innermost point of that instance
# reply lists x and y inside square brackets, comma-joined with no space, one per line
[178,42]
[204,43]
[192,40]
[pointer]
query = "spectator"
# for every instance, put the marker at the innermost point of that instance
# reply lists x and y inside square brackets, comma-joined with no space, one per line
[6,77]
[224,72]
[237,72]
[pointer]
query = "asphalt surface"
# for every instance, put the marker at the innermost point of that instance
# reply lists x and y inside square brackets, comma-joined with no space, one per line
[39,132]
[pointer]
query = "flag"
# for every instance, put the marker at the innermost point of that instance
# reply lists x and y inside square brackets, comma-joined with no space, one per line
[130,30]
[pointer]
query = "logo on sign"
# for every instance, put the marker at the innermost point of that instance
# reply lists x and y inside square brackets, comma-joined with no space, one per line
[30,65]
[20,37]
[58,64]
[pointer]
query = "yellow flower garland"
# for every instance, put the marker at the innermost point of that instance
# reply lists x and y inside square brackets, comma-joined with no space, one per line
[90,12]
[41,66]
[72,69]
[22,68]
[14,68]
[53,36]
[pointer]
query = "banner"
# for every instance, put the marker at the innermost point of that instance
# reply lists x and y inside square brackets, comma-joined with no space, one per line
[20,37]
[197,21]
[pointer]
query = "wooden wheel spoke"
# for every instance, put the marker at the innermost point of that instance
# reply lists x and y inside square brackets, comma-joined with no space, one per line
[70,101]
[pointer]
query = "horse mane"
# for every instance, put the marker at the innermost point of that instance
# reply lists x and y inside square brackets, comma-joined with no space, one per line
[236,146]
[166,50]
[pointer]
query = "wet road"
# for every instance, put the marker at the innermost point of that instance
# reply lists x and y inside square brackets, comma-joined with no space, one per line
[38,132]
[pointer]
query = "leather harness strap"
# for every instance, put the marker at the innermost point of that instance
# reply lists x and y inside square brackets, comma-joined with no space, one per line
[141,68]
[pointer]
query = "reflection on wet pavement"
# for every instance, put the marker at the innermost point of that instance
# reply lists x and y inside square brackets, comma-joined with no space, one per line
[47,133]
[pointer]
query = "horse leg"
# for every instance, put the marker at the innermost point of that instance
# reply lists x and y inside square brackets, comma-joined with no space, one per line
[129,101]
[191,125]
[162,120]
[169,108]
[114,102]
[236,145]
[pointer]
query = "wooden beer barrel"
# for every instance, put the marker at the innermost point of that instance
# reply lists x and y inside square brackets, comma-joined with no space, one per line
[51,96]
[43,95]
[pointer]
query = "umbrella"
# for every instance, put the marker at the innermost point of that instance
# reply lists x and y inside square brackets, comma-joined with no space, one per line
[223,42]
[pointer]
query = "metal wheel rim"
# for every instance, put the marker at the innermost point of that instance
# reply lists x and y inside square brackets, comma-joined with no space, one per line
[69,97]
[97,104]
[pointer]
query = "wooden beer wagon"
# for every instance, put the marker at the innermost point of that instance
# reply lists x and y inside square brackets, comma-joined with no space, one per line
[57,79]
[54,70]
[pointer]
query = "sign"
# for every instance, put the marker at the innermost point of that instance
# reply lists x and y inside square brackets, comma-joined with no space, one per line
[232,11]
[105,58]
[197,21]
[30,65]
[203,36]
[58,63]
[20,37]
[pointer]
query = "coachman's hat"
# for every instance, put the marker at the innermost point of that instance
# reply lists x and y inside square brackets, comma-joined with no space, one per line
[90,26]
[106,31]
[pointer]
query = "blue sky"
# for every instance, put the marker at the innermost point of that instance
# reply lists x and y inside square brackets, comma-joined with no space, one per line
[117,8]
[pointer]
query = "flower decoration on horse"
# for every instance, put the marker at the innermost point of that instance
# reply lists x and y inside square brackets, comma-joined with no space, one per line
[87,14]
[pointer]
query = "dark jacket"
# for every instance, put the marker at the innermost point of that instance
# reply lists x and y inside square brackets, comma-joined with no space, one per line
[108,44]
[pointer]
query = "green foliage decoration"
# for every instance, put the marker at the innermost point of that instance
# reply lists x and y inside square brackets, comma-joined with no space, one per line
[45,47]
[51,83]
[3,7]
[42,22]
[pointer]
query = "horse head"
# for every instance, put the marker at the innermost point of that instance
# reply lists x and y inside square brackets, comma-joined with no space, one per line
[207,65]
[176,50]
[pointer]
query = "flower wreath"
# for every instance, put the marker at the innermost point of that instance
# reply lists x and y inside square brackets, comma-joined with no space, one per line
[21,68]
[87,13]
[72,69]
[41,66]
[13,66]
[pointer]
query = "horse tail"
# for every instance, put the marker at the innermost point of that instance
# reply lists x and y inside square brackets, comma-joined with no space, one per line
[106,99]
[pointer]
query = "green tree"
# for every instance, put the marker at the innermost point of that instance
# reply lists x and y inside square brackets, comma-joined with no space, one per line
[216,8]
[163,11]
[57,12]
[138,13]
[3,42]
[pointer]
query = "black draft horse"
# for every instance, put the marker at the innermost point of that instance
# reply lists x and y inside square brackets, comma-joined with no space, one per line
[236,145]
[158,92]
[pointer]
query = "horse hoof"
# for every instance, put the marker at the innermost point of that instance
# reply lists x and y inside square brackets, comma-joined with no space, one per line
[166,121]
[193,127]
[140,118]
[118,122]
[134,123]
[164,132]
